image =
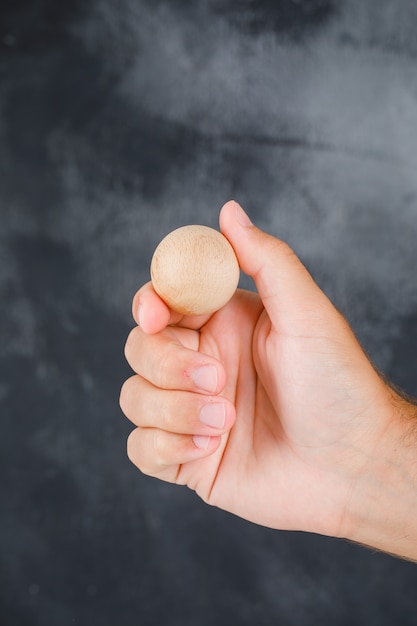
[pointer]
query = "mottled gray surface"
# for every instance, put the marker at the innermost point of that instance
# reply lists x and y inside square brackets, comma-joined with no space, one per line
[118,122]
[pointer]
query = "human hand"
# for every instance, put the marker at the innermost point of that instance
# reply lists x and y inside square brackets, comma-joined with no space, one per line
[302,416]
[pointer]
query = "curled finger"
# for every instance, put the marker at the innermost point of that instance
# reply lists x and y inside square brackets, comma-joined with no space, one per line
[152,314]
[161,454]
[168,364]
[179,412]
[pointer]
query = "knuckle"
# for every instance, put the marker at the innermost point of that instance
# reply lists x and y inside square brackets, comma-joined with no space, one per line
[134,451]
[131,447]
[280,247]
[123,397]
[130,345]
[125,394]
[147,450]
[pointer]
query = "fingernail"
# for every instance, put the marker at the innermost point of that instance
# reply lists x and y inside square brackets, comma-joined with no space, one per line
[213,415]
[201,442]
[205,378]
[241,216]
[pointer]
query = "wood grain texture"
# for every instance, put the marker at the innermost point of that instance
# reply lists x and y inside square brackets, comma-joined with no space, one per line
[194,270]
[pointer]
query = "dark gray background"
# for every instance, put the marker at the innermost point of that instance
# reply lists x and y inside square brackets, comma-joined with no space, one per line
[118,122]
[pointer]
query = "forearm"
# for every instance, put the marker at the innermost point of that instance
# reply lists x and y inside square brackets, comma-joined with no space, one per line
[383,509]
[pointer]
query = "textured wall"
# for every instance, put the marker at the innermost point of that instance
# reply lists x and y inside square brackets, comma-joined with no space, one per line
[118,122]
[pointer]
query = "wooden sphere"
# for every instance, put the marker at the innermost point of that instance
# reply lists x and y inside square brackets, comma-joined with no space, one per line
[194,270]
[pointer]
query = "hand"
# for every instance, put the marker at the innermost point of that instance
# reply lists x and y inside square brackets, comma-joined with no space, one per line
[299,415]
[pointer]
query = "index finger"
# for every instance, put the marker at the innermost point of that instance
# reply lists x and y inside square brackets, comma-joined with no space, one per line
[152,314]
[168,363]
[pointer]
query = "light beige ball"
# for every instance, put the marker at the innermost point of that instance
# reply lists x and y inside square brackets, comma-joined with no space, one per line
[194,270]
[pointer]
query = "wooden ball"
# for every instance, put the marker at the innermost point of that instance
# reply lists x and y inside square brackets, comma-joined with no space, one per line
[194,270]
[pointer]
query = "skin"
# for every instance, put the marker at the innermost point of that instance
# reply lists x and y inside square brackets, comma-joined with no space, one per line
[313,438]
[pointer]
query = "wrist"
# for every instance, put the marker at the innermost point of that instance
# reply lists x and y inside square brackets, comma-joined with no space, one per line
[382,508]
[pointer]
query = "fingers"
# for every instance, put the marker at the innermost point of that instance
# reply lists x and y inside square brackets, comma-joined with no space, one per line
[167,363]
[174,398]
[174,427]
[153,315]
[161,454]
[178,412]
[150,312]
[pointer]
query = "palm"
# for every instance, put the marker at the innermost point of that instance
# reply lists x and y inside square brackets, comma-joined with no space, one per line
[285,439]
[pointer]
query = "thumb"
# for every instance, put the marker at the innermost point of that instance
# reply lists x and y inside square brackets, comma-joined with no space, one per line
[288,292]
